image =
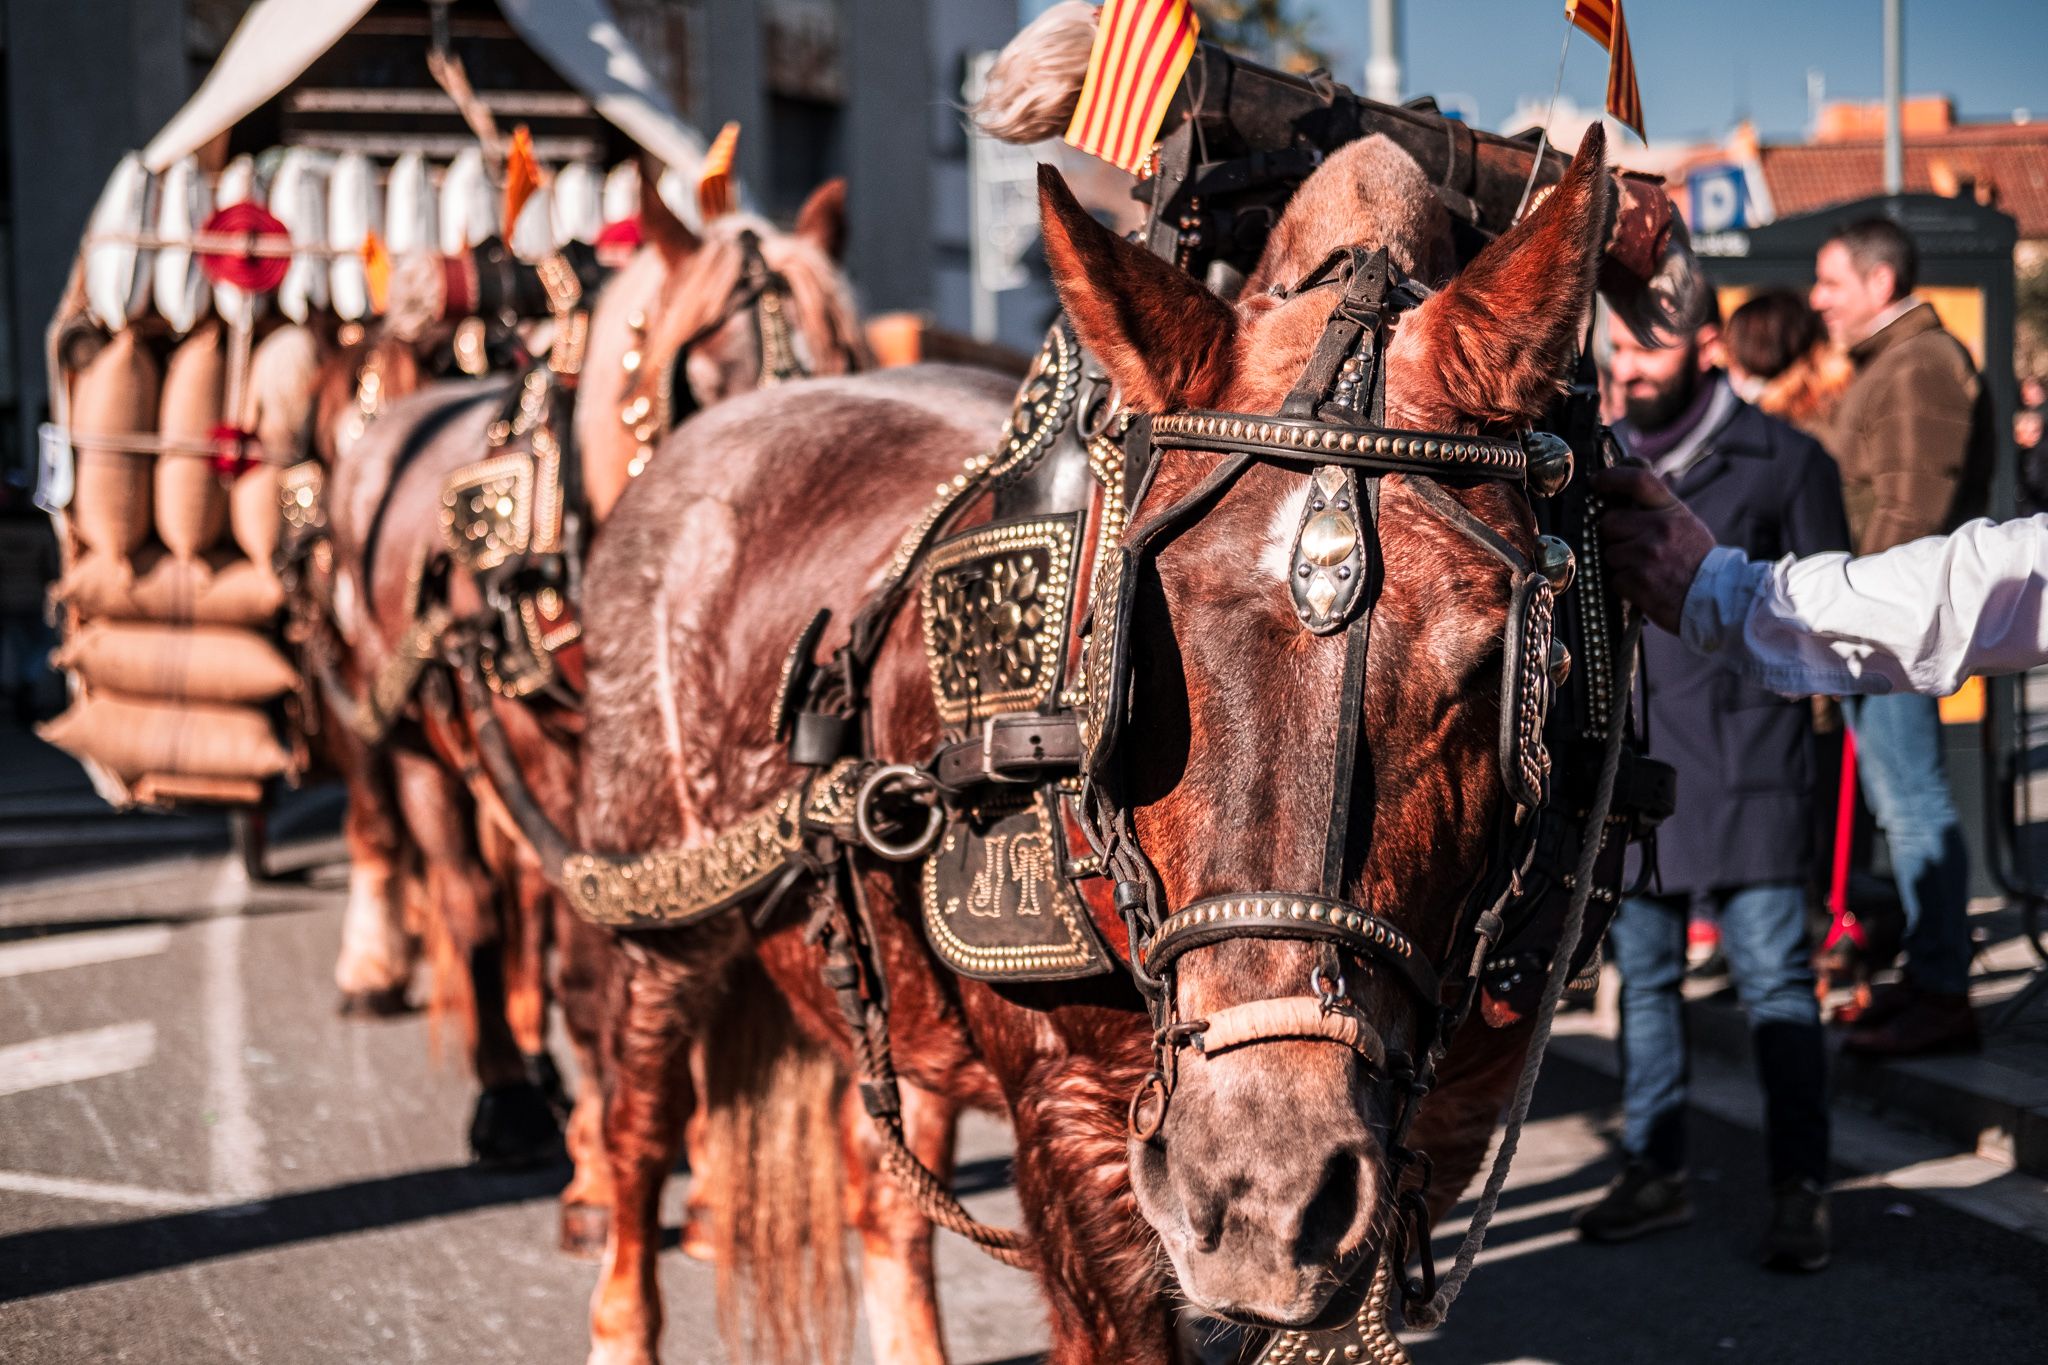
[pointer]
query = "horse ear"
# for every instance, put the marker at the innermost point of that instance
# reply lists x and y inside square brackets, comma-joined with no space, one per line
[1159,334]
[1492,345]
[822,219]
[659,226]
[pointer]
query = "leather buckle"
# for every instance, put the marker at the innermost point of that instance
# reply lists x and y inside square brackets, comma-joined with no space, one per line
[1007,768]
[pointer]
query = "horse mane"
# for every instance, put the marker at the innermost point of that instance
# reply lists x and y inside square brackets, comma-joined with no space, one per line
[1035,81]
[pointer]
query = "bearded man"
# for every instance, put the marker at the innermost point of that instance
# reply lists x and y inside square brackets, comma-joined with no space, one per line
[1740,845]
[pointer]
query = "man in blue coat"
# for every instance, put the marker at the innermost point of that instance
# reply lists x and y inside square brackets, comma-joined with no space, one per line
[1740,845]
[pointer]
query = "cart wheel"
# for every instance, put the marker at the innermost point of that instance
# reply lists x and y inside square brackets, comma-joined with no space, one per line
[2034,922]
[248,836]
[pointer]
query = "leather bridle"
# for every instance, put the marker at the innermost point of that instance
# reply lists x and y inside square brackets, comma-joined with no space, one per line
[1331,428]
[767,293]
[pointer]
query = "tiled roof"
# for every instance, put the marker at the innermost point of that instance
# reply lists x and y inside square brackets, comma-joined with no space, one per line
[2012,159]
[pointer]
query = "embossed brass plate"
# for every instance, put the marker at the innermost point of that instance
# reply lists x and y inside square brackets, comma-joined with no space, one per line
[996,906]
[487,510]
[995,612]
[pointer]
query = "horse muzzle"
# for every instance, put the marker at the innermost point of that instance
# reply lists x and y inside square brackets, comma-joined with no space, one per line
[1266,1182]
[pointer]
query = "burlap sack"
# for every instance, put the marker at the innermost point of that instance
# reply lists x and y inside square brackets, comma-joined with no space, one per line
[177,663]
[130,738]
[220,589]
[114,396]
[282,374]
[191,504]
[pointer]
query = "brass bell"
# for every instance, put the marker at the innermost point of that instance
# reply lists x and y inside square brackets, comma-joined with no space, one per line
[1560,662]
[1550,462]
[1556,562]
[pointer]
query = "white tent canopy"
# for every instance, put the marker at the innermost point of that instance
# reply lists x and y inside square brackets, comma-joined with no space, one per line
[279,39]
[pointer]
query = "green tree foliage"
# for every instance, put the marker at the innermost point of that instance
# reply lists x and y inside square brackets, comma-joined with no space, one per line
[1275,32]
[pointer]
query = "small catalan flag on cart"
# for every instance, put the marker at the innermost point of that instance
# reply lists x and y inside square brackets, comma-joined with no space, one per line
[1601,21]
[1142,47]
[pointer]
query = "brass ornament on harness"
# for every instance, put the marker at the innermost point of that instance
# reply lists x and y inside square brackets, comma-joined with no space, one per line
[672,887]
[995,606]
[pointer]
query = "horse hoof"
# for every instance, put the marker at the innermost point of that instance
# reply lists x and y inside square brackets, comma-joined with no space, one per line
[381,1003]
[514,1128]
[696,1240]
[584,1229]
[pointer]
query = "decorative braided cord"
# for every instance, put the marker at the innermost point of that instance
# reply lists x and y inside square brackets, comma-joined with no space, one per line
[1011,1246]
[1433,1313]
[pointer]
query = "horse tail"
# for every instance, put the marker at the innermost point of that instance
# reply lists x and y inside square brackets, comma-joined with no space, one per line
[1036,79]
[777,1178]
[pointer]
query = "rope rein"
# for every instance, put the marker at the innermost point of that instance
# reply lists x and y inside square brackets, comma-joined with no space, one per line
[1432,1314]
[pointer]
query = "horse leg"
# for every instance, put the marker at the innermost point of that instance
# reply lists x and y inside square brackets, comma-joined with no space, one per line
[697,1240]
[374,968]
[643,1130]
[585,958]
[897,1286]
[512,1124]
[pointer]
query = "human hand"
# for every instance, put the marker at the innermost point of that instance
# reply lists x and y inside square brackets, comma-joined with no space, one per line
[1653,543]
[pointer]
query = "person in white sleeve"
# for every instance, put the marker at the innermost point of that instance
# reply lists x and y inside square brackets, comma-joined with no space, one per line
[1919,617]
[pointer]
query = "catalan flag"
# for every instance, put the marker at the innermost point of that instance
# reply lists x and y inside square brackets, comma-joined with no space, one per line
[715,191]
[1141,49]
[1601,21]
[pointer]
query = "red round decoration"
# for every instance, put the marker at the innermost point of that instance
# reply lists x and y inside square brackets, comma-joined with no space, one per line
[245,269]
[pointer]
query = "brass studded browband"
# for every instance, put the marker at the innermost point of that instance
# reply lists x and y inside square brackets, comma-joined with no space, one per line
[1380,449]
[1280,914]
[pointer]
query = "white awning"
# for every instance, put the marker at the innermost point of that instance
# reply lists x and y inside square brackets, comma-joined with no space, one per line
[278,39]
[274,44]
[582,42]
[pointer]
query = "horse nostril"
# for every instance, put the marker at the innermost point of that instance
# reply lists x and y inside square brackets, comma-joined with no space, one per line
[1205,1222]
[1327,1217]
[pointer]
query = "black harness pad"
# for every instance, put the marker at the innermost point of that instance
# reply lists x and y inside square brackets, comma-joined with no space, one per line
[997,905]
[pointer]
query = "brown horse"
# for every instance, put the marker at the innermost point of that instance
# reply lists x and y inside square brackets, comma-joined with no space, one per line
[1267,1185]
[480,882]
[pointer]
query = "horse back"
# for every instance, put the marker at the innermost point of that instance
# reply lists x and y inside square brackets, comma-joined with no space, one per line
[750,519]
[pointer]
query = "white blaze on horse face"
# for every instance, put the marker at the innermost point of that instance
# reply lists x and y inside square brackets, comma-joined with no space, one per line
[1276,555]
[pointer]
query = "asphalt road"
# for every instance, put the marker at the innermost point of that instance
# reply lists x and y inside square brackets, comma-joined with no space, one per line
[199,1162]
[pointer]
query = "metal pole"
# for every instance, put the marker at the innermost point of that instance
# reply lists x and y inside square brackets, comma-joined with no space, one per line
[1894,78]
[1383,67]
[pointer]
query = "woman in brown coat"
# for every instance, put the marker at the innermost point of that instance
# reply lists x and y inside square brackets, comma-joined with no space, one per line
[1779,358]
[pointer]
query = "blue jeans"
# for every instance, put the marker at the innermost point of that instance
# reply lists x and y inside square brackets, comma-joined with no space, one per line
[1763,934]
[1899,762]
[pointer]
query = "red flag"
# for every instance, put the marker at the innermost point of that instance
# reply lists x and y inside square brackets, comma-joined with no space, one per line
[1601,21]
[1142,47]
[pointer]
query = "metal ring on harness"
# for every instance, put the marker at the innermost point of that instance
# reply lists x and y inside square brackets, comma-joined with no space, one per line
[1146,1119]
[912,779]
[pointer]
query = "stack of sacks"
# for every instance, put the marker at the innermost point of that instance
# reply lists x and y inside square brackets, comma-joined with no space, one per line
[171,599]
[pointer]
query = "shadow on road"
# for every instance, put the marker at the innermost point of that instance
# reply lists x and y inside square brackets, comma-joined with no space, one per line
[53,1259]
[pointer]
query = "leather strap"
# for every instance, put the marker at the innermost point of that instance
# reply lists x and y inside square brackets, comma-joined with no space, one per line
[1294,1016]
[1021,748]
[1383,450]
[1286,914]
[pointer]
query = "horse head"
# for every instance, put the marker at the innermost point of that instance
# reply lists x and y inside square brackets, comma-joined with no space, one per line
[698,316]
[1253,744]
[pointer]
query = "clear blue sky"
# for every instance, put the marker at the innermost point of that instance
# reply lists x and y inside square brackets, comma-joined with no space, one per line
[1703,63]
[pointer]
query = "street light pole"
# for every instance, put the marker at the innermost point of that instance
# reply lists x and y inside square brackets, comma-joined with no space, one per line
[1383,66]
[1894,78]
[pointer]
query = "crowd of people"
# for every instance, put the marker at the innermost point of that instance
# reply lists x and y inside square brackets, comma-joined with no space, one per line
[1846,421]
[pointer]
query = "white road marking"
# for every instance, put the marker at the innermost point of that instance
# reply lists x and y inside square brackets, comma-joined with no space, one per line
[82,950]
[101,1192]
[67,1057]
[234,1140]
